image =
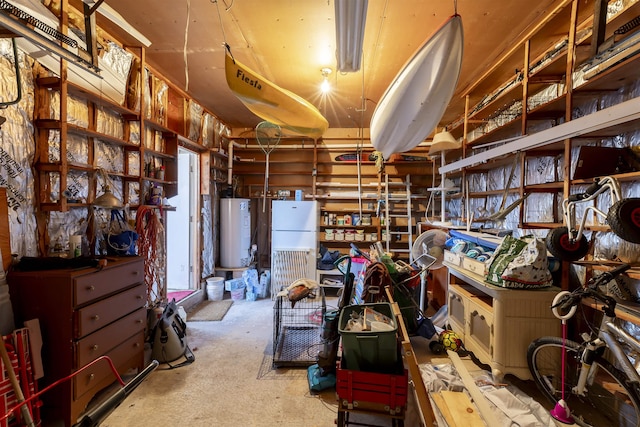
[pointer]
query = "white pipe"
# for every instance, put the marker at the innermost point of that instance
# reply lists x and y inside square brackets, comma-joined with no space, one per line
[442,184]
[230,165]
[310,146]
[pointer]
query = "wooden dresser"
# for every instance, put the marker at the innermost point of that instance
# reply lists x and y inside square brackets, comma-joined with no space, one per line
[84,313]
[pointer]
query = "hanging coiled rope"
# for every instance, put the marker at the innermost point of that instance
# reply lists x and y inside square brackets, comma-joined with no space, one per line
[151,247]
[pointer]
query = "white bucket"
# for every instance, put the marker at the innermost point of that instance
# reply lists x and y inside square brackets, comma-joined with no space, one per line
[215,288]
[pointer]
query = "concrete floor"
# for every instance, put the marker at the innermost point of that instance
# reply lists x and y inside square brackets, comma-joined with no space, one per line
[232,382]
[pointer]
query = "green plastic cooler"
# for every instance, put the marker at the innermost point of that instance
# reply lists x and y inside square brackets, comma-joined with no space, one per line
[373,351]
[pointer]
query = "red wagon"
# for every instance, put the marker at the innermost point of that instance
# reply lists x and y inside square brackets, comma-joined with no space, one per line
[373,393]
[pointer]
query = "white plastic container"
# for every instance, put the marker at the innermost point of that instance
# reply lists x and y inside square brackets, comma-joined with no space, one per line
[215,288]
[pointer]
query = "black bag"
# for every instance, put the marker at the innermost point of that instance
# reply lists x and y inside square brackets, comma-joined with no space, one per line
[327,259]
[169,337]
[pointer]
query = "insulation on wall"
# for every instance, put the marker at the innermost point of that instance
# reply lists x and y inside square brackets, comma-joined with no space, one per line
[194,120]
[208,130]
[146,93]
[208,246]
[17,148]
[109,123]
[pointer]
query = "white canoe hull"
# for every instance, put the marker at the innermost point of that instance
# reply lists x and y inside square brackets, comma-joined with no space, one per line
[414,103]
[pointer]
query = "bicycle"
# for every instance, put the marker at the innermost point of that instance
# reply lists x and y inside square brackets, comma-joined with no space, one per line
[602,387]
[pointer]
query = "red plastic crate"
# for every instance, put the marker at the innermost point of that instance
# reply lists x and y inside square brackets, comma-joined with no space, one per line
[388,390]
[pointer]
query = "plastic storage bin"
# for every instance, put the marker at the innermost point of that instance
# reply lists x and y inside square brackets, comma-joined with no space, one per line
[373,351]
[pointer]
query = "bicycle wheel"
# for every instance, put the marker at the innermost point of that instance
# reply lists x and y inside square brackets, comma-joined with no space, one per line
[608,400]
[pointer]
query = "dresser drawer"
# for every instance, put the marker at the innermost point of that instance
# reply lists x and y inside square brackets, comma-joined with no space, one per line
[96,375]
[101,313]
[91,286]
[99,342]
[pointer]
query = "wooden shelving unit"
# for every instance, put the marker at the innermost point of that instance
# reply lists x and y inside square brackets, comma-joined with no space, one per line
[552,54]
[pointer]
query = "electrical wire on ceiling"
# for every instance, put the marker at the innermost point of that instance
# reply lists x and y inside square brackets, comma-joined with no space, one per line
[378,35]
[184,49]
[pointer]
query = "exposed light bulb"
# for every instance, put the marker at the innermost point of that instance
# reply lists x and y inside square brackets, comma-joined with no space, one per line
[325,87]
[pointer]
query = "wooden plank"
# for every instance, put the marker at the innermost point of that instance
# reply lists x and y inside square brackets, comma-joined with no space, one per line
[599,25]
[483,405]
[5,235]
[424,404]
[444,409]
[461,408]
[205,173]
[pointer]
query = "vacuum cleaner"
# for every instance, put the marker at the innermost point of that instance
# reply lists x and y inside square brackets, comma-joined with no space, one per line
[322,375]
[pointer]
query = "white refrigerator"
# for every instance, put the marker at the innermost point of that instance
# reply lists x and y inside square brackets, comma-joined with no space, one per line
[294,242]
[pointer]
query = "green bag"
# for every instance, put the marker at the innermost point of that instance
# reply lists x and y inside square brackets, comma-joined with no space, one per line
[520,263]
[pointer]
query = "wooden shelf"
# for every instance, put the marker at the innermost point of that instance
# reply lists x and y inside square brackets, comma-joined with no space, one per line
[544,187]
[100,136]
[75,90]
[623,177]
[494,163]
[481,194]
[540,225]
[337,197]
[151,152]
[349,227]
[158,127]
[159,181]
[342,242]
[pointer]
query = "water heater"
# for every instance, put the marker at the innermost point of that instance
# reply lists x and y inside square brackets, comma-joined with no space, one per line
[235,233]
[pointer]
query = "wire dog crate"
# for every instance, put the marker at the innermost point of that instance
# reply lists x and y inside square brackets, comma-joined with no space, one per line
[297,330]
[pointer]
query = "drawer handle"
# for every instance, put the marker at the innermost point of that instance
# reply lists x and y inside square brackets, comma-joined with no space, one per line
[95,317]
[139,321]
[94,347]
[138,296]
[136,345]
[91,288]
[91,377]
[135,273]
